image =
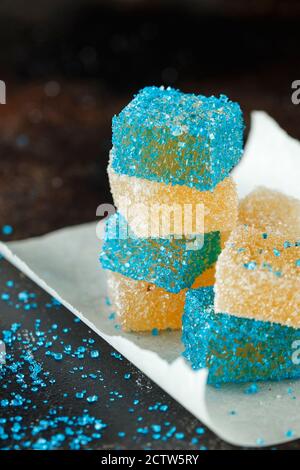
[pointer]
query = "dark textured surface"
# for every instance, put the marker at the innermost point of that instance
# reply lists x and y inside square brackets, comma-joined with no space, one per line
[120,415]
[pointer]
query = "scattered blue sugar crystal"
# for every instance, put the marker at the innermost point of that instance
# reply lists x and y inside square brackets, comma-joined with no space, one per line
[172,137]
[166,262]
[236,349]
[200,431]
[92,398]
[95,353]
[289,433]
[252,389]
[251,265]
[7,230]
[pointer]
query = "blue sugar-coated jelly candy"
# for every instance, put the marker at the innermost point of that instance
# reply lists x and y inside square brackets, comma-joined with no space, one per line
[237,349]
[171,263]
[172,137]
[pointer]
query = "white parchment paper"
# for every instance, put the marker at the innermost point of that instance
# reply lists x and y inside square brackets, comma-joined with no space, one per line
[65,263]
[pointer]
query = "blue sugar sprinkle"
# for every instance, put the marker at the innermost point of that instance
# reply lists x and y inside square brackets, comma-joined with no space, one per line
[297,263]
[168,136]
[164,408]
[252,389]
[200,431]
[264,235]
[251,265]
[260,441]
[92,398]
[7,230]
[22,140]
[57,356]
[155,332]
[127,376]
[289,433]
[144,430]
[117,355]
[94,354]
[156,428]
[276,252]
[179,435]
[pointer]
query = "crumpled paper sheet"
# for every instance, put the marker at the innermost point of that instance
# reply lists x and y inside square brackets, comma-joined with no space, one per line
[65,263]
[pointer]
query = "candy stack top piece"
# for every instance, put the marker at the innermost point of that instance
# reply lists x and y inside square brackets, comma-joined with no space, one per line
[168,136]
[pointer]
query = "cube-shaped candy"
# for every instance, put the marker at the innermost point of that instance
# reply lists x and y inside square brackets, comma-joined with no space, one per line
[142,306]
[271,211]
[258,273]
[258,276]
[168,136]
[170,263]
[237,349]
[159,209]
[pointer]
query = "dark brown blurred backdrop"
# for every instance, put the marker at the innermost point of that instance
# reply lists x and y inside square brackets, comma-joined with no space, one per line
[69,65]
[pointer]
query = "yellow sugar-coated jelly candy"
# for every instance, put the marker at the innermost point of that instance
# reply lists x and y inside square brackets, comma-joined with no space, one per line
[270,210]
[141,306]
[159,209]
[258,272]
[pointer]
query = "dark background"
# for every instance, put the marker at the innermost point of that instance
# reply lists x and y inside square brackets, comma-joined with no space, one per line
[70,65]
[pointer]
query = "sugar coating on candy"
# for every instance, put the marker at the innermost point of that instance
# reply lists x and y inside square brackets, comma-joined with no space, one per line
[236,349]
[142,306]
[148,203]
[257,276]
[271,211]
[168,136]
[258,273]
[169,263]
